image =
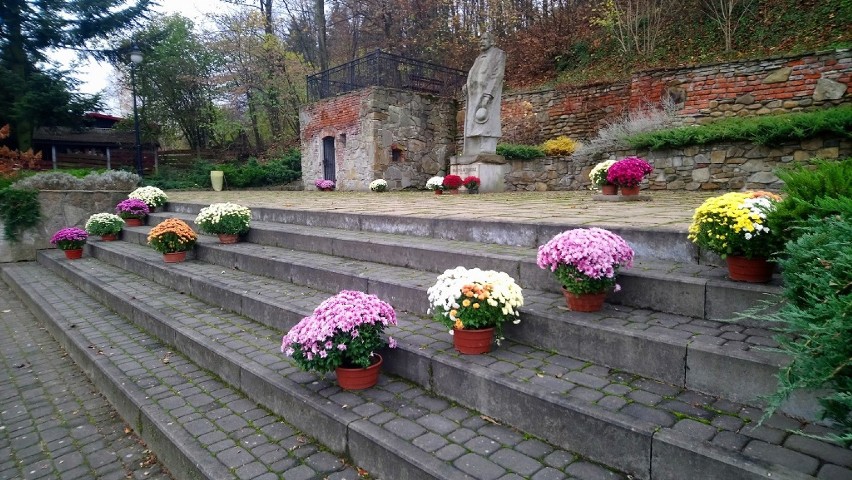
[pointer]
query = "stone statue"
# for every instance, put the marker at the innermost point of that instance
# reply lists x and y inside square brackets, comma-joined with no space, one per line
[484,88]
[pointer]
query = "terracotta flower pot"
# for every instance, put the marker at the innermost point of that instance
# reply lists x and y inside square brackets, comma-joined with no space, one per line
[174,257]
[473,342]
[609,189]
[630,191]
[439,192]
[752,270]
[228,238]
[110,237]
[359,378]
[74,253]
[133,222]
[584,302]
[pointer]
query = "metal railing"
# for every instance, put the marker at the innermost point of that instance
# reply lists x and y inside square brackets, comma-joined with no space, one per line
[381,69]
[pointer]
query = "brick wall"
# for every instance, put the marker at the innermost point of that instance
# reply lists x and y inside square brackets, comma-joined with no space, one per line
[702,93]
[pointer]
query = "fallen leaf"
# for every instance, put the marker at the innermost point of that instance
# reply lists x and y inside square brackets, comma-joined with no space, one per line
[362,472]
[489,419]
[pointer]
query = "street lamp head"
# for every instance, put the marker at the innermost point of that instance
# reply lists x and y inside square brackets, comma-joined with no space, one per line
[136,55]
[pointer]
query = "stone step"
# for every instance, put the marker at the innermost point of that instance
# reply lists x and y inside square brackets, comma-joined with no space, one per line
[609,416]
[663,244]
[692,353]
[689,289]
[395,430]
[197,425]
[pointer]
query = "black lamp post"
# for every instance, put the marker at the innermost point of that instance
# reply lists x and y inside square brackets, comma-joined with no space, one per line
[136,59]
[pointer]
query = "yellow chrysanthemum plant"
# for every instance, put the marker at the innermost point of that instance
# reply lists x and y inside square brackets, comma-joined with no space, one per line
[172,235]
[735,224]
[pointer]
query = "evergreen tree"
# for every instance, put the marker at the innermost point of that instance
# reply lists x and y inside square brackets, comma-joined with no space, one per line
[35,94]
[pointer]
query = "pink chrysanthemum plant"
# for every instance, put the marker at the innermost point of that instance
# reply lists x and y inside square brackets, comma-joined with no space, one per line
[586,260]
[628,172]
[343,331]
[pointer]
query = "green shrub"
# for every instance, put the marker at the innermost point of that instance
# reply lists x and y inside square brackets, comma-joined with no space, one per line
[816,319]
[519,152]
[253,173]
[19,210]
[763,130]
[806,190]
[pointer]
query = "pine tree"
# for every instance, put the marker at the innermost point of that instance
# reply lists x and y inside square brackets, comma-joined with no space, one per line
[34,94]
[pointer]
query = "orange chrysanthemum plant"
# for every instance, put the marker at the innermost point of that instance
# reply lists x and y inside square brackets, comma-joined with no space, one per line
[172,235]
[12,161]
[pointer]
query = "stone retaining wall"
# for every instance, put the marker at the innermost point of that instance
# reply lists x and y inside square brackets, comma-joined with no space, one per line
[724,166]
[59,209]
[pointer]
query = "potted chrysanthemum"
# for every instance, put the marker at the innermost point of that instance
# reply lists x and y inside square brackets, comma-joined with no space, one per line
[627,173]
[734,226]
[474,304]
[107,225]
[133,211]
[586,261]
[471,183]
[152,196]
[324,185]
[172,237]
[227,220]
[379,185]
[436,184]
[598,176]
[344,333]
[453,183]
[70,240]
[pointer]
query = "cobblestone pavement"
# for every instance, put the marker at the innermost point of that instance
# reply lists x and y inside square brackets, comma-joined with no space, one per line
[459,436]
[666,210]
[53,422]
[725,424]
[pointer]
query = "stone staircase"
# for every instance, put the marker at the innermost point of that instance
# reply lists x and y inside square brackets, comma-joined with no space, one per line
[654,386]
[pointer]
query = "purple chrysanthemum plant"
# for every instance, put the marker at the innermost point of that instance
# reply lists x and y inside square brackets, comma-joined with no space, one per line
[343,331]
[132,208]
[71,238]
[586,260]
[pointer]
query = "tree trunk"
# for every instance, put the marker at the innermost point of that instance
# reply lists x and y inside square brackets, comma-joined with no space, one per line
[319,18]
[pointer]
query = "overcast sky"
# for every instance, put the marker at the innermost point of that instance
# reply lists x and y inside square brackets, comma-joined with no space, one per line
[95,76]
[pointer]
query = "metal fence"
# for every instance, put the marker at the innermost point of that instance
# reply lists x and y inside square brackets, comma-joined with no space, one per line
[380,69]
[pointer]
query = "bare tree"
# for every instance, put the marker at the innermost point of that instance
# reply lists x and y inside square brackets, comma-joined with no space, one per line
[727,15]
[636,24]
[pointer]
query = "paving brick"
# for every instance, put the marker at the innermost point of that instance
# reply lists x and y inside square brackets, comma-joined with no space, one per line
[534,448]
[404,428]
[826,452]
[482,445]
[450,452]
[590,471]
[548,473]
[833,472]
[648,414]
[430,442]
[479,467]
[782,456]
[516,462]
[695,429]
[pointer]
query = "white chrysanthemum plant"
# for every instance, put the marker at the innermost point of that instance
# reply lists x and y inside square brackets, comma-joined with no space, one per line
[379,185]
[598,173]
[152,196]
[224,218]
[435,183]
[104,224]
[474,299]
